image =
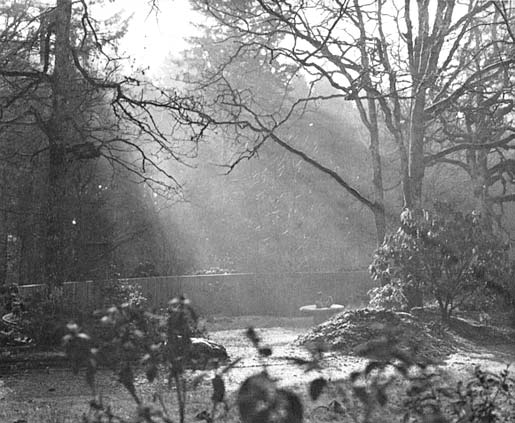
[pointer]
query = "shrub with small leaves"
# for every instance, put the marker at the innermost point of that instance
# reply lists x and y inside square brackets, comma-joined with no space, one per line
[388,297]
[486,397]
[136,338]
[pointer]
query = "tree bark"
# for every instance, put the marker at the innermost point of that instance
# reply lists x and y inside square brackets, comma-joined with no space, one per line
[414,296]
[373,128]
[413,195]
[377,180]
[3,229]
[57,133]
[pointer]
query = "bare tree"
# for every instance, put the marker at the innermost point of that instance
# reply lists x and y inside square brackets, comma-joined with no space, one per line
[475,131]
[400,62]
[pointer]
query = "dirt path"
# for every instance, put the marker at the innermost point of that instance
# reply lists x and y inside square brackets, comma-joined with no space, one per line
[61,383]
[52,383]
[36,395]
[337,366]
[281,341]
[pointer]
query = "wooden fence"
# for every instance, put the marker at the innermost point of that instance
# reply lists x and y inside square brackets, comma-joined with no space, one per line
[233,294]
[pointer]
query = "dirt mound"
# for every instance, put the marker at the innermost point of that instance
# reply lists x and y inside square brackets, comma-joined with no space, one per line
[420,334]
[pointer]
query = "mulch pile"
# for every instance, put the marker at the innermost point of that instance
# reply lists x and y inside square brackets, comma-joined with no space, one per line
[420,334]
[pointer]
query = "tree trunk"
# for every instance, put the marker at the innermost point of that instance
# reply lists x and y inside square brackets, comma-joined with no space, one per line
[372,125]
[3,228]
[477,163]
[445,313]
[481,188]
[3,247]
[54,258]
[413,197]
[380,222]
[414,296]
[379,215]
[58,134]
[404,161]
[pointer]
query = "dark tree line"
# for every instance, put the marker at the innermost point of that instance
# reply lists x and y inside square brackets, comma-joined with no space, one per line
[74,130]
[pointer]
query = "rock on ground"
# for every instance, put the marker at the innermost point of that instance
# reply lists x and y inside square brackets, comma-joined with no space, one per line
[205,349]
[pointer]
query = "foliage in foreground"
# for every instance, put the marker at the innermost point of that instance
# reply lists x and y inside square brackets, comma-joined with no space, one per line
[444,256]
[391,387]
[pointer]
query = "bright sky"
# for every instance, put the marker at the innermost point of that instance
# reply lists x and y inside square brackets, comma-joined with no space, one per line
[153,36]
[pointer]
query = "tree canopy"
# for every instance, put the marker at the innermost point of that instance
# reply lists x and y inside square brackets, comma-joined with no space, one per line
[407,66]
[429,81]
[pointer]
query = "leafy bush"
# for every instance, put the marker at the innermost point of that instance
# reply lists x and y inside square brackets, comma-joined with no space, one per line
[118,292]
[138,337]
[389,297]
[46,316]
[10,301]
[443,255]
[485,397]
